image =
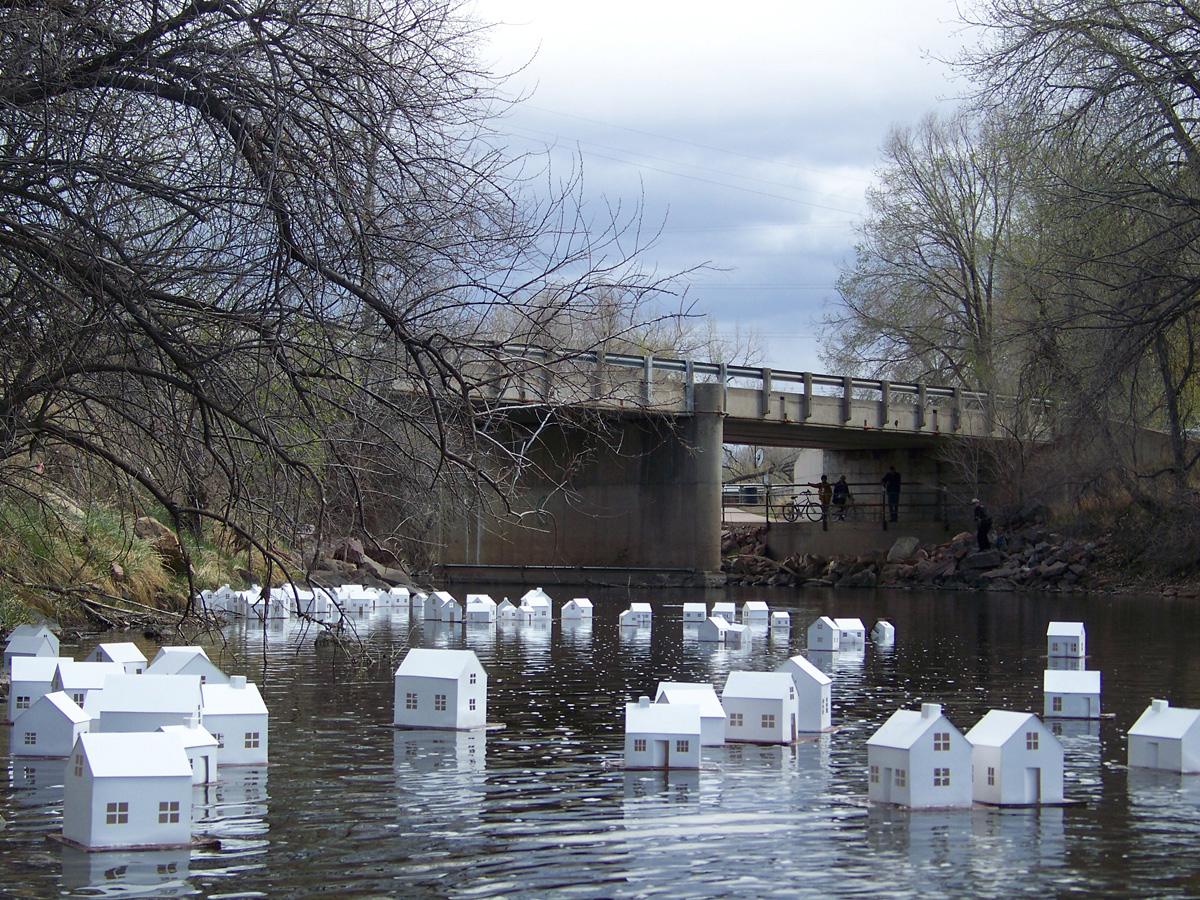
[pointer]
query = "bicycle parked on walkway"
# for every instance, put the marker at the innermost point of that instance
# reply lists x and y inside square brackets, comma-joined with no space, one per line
[802,505]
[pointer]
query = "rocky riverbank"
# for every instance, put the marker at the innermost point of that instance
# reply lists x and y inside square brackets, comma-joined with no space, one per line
[1032,560]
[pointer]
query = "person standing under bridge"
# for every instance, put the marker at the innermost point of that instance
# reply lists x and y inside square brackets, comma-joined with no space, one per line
[824,495]
[841,496]
[891,490]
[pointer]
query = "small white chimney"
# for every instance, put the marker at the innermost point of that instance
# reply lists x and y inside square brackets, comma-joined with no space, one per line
[237,682]
[644,702]
[1159,705]
[931,710]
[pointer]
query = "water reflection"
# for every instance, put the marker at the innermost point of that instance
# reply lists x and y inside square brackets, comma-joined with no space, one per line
[149,873]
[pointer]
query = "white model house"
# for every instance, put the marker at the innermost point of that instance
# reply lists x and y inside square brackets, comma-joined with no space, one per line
[127,791]
[236,716]
[694,613]
[29,640]
[578,608]
[642,614]
[851,633]
[713,630]
[814,689]
[186,661]
[1166,737]
[200,745]
[781,619]
[1071,694]
[884,632]
[919,760]
[824,635]
[433,604]
[762,708]
[1066,639]
[662,735]
[536,606]
[125,653]
[481,609]
[144,702]
[32,677]
[506,612]
[1017,761]
[79,679]
[440,689]
[726,609]
[50,727]
[712,714]
[450,610]
[755,611]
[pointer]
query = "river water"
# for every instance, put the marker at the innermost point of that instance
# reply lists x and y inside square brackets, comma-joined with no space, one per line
[351,808]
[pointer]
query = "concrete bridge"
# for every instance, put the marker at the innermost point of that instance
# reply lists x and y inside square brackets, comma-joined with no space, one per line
[638,485]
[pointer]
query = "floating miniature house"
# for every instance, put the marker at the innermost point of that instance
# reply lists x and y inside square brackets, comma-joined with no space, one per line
[433,605]
[714,629]
[726,609]
[919,760]
[126,653]
[236,716]
[884,632]
[127,791]
[440,689]
[450,611]
[694,613]
[755,611]
[763,708]
[814,690]
[29,640]
[578,608]
[712,714]
[1071,694]
[536,606]
[32,677]
[50,727]
[662,735]
[79,679]
[1066,639]
[144,702]
[629,619]
[851,633]
[1017,761]
[824,635]
[200,745]
[506,612]
[186,661]
[1166,737]
[640,614]
[781,620]
[481,609]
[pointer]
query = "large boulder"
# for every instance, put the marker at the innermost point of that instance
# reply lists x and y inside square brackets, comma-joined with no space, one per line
[903,548]
[164,542]
[984,559]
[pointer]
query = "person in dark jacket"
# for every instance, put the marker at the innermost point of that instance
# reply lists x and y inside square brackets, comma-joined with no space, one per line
[983,524]
[891,488]
[841,496]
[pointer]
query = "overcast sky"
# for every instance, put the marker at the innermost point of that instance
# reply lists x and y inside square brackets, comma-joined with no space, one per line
[752,128]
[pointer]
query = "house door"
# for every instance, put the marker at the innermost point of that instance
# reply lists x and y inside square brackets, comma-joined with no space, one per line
[1088,707]
[662,754]
[1033,785]
[793,728]
[886,784]
[1152,754]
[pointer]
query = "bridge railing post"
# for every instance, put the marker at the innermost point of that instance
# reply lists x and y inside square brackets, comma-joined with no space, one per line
[885,400]
[648,379]
[957,409]
[920,405]
[765,405]
[847,398]
[807,412]
[689,386]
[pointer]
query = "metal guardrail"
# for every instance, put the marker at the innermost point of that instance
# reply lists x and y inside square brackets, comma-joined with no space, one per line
[917,502]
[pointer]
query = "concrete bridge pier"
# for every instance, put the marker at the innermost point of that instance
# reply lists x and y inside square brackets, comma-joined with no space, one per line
[645,494]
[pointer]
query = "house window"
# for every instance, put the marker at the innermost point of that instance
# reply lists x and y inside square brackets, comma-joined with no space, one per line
[471,704]
[1054,647]
[168,813]
[1031,740]
[410,701]
[220,740]
[22,703]
[78,698]
[439,702]
[874,774]
[791,693]
[202,677]
[824,704]
[251,740]
[901,778]
[1056,704]
[116,814]
[1074,648]
[735,720]
[941,778]
[639,745]
[682,746]
[472,678]
[941,740]
[768,720]
[991,776]
[78,765]
[30,738]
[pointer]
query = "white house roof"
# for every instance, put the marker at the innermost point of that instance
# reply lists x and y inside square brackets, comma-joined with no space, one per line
[36,668]
[765,685]
[535,597]
[444,596]
[146,693]
[759,605]
[428,663]
[998,726]
[31,631]
[30,645]
[86,675]
[135,755]
[1163,720]
[581,603]
[1066,681]
[1068,629]
[640,607]
[191,737]
[239,697]
[122,652]
[169,660]
[849,624]
[702,695]
[907,726]
[828,622]
[480,600]
[61,701]
[695,607]
[662,718]
[811,671]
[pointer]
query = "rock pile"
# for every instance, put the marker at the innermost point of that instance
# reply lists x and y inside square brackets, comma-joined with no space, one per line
[1030,560]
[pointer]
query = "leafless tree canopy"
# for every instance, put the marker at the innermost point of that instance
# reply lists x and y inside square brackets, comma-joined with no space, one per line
[246,250]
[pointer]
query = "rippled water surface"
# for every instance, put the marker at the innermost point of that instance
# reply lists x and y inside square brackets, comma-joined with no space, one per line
[351,808]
